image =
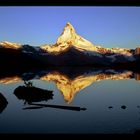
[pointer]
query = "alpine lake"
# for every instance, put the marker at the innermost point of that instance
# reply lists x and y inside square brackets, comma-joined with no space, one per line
[70,101]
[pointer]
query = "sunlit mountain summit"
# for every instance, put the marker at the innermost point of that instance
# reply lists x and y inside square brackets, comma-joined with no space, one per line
[70,49]
[69,38]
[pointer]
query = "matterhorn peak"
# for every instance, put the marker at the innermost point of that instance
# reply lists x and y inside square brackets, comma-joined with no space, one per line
[69,24]
[69,38]
[68,35]
[69,27]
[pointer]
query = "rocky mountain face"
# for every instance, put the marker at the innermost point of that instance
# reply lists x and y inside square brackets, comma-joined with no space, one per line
[67,39]
[71,49]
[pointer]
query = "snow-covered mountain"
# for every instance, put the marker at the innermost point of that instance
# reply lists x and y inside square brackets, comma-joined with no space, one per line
[6,44]
[70,38]
[72,49]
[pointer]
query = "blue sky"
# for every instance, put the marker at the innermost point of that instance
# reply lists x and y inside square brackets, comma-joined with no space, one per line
[105,26]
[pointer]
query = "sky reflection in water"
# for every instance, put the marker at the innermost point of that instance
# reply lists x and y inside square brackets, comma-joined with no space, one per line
[107,101]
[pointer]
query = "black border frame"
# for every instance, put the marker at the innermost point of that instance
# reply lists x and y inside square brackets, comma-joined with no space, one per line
[69,3]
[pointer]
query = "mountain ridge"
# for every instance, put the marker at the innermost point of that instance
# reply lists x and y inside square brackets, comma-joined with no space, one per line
[71,47]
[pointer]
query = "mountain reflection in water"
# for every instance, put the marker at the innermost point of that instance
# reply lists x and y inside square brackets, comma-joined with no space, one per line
[31,101]
[70,81]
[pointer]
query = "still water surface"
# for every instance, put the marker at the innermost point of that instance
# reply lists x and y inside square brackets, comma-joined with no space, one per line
[109,101]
